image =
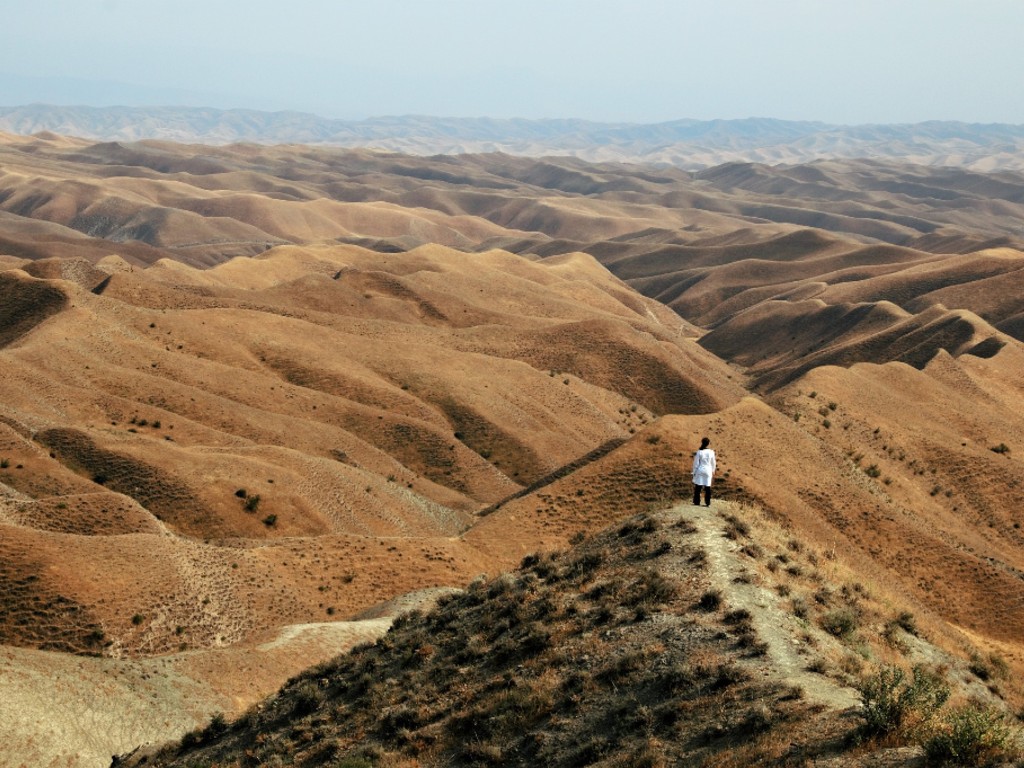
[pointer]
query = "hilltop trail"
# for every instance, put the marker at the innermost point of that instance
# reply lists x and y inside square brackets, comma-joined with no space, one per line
[775,626]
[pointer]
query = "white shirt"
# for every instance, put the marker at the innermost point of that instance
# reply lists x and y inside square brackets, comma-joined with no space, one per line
[703,466]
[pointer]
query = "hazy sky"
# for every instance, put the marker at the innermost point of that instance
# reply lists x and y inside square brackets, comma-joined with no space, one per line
[849,61]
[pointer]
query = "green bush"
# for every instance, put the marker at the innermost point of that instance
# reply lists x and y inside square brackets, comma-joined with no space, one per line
[890,704]
[972,735]
[217,726]
[841,623]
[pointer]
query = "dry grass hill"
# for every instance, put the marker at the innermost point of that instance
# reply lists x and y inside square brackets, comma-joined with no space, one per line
[679,637]
[258,401]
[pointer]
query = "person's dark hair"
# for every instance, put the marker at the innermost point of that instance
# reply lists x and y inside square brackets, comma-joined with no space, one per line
[705,443]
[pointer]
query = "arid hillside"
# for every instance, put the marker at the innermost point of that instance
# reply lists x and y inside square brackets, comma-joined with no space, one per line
[258,401]
[678,637]
[172,418]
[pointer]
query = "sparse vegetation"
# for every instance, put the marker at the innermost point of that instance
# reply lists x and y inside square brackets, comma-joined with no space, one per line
[581,655]
[893,706]
[1001,448]
[972,735]
[906,621]
[989,667]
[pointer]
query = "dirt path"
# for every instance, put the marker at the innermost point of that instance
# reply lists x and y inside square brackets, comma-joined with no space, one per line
[775,626]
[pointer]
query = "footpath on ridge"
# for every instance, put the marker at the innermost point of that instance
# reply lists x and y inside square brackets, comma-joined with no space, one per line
[776,626]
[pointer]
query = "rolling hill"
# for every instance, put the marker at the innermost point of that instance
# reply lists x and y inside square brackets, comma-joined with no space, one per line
[259,401]
[687,143]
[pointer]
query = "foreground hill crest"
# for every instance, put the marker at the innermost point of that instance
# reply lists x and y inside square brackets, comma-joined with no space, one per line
[671,638]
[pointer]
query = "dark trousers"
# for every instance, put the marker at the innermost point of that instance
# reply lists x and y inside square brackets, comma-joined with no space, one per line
[707,494]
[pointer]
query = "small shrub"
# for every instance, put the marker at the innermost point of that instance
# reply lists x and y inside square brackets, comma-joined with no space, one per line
[988,667]
[817,666]
[137,619]
[663,548]
[270,521]
[972,735]
[752,550]
[217,726]
[698,559]
[826,424]
[1001,448]
[5,463]
[729,674]
[191,739]
[252,503]
[710,601]
[800,608]
[906,622]
[738,616]
[840,623]
[873,471]
[892,705]
[306,698]
[736,527]
[652,589]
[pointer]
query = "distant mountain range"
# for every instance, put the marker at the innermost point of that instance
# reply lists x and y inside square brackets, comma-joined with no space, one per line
[691,144]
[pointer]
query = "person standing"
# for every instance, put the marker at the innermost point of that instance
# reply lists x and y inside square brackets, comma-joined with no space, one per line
[703,471]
